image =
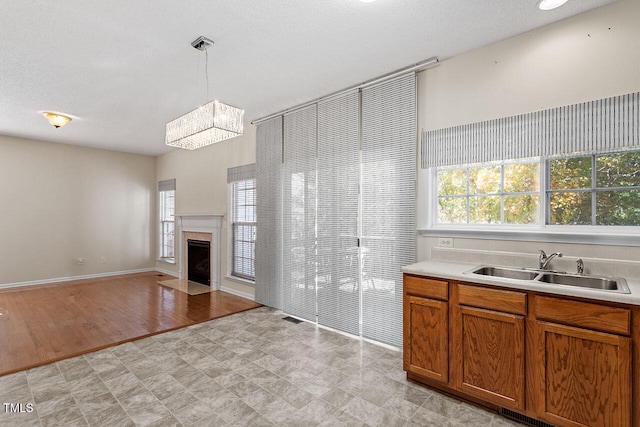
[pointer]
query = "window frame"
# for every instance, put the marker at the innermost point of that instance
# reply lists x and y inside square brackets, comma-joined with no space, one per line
[232,227]
[164,213]
[543,231]
[593,189]
[501,194]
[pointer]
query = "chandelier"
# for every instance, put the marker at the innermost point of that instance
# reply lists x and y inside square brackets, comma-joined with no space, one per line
[210,123]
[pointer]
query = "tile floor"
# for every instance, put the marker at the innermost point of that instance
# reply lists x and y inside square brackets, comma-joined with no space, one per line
[248,369]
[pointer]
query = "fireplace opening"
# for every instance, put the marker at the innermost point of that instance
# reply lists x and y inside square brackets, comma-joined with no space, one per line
[198,260]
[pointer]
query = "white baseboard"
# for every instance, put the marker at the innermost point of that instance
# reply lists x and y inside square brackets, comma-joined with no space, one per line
[114,273]
[72,278]
[238,293]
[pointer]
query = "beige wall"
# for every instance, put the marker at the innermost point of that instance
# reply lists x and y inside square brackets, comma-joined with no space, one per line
[201,186]
[61,202]
[591,56]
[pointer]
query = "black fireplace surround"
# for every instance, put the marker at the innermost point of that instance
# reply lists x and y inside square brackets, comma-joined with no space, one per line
[198,260]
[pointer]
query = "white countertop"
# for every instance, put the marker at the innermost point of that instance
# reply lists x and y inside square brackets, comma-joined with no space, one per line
[456,271]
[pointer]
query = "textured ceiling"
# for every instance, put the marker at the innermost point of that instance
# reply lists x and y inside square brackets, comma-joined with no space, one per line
[123,69]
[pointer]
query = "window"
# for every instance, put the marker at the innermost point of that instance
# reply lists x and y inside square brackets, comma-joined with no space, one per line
[492,193]
[167,203]
[244,228]
[600,189]
[588,189]
[242,224]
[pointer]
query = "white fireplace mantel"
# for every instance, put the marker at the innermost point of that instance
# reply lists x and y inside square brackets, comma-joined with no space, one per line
[201,223]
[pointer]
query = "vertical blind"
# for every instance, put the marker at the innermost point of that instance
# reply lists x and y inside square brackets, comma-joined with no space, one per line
[268,280]
[389,140]
[299,214]
[601,125]
[337,221]
[348,209]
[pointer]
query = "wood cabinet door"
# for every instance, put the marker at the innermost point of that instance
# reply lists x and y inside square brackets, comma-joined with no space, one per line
[489,356]
[584,377]
[426,350]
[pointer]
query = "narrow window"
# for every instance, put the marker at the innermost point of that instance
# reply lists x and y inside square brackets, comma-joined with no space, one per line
[243,228]
[242,221]
[167,203]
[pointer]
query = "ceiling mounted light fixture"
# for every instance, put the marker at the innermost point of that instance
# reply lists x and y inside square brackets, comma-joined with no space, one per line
[550,4]
[208,124]
[56,119]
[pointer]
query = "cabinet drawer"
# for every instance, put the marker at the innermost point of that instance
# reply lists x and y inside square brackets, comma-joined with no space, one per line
[422,286]
[584,315]
[493,299]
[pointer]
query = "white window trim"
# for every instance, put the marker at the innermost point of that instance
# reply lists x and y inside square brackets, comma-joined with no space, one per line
[160,258]
[584,234]
[230,275]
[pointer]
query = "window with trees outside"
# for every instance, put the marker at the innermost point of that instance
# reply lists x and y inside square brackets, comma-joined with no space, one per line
[493,193]
[600,189]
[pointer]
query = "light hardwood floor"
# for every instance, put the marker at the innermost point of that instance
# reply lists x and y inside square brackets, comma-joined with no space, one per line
[43,324]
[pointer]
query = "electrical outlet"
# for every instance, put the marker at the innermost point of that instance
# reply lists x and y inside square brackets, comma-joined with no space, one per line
[80,261]
[103,259]
[445,242]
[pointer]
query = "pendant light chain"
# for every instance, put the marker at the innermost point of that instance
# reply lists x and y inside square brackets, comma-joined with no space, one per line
[206,72]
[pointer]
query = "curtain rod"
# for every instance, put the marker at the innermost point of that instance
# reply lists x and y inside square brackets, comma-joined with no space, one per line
[416,67]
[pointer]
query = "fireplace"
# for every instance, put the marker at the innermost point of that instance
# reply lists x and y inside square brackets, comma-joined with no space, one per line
[198,261]
[195,233]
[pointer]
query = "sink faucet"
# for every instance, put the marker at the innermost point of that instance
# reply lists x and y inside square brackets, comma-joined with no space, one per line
[544,260]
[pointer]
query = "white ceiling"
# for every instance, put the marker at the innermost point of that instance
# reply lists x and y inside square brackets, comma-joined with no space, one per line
[123,68]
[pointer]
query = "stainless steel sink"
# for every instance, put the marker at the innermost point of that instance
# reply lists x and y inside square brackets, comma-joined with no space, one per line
[611,284]
[507,273]
[601,283]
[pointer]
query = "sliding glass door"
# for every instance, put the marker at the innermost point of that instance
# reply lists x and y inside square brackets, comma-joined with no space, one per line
[348,209]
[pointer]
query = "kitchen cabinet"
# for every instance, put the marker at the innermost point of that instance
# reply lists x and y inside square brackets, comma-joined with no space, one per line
[565,361]
[585,374]
[489,345]
[490,363]
[426,328]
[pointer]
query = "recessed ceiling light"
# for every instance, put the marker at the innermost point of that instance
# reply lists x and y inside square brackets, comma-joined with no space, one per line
[56,119]
[367,1]
[550,4]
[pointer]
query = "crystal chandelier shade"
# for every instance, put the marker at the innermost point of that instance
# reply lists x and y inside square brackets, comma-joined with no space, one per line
[208,124]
